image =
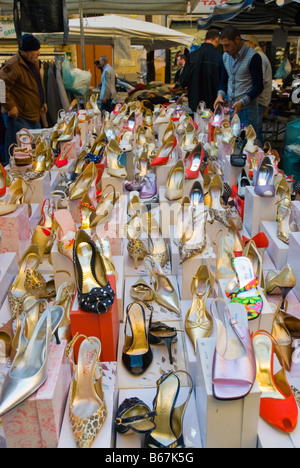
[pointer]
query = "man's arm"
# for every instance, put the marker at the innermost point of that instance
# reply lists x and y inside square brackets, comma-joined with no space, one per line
[10,78]
[222,88]
[256,72]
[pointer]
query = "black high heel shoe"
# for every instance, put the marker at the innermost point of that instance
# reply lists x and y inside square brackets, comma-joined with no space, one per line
[238,158]
[136,355]
[159,333]
[133,415]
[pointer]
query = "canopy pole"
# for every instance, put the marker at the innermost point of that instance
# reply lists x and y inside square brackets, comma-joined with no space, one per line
[82,39]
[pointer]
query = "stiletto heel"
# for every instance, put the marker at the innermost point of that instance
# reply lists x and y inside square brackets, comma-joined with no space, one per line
[281,333]
[159,333]
[277,404]
[136,355]
[87,402]
[285,281]
[169,417]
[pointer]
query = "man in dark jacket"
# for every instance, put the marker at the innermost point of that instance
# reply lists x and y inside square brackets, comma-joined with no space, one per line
[205,67]
[25,93]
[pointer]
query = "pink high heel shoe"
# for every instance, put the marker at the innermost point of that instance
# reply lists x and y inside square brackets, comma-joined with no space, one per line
[234,366]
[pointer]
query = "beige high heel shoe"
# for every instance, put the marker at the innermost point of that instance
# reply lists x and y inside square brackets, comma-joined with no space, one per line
[164,291]
[114,168]
[84,182]
[175,182]
[157,244]
[135,246]
[193,241]
[198,321]
[251,136]
[69,131]
[217,211]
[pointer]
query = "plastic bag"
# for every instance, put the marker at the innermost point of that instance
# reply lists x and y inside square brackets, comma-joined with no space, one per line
[75,80]
[284,70]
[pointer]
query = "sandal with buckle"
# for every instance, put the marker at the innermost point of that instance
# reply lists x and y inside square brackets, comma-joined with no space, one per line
[134,415]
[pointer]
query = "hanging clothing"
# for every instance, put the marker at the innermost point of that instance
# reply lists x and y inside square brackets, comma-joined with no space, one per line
[53,95]
[61,88]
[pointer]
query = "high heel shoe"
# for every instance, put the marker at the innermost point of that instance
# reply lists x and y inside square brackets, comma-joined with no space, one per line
[238,244]
[136,354]
[193,241]
[193,162]
[234,369]
[265,179]
[157,244]
[133,415]
[281,333]
[104,247]
[283,227]
[243,181]
[113,152]
[236,125]
[237,157]
[143,163]
[94,291]
[175,181]
[64,298]
[285,281]
[165,151]
[141,291]
[277,404]
[169,417]
[44,238]
[251,251]
[245,282]
[198,321]
[62,158]
[135,246]
[66,232]
[189,140]
[70,129]
[105,206]
[2,181]
[184,217]
[86,208]
[251,136]
[160,333]
[84,182]
[87,407]
[164,291]
[217,211]
[30,366]
[227,136]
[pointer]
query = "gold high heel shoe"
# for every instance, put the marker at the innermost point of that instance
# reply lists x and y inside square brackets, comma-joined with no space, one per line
[157,246]
[105,206]
[198,321]
[175,182]
[64,298]
[281,333]
[285,281]
[44,238]
[80,163]
[164,291]
[98,145]
[283,228]
[251,251]
[227,135]
[135,246]
[193,242]
[86,209]
[225,255]
[84,182]
[189,140]
[143,162]
[141,291]
[184,216]
[251,136]
[105,250]
[217,211]
[114,168]
[87,408]
[70,129]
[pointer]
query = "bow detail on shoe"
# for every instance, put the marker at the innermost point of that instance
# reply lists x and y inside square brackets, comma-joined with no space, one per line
[98,301]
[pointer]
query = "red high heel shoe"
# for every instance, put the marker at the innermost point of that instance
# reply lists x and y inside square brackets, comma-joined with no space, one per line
[47,214]
[277,405]
[195,159]
[261,241]
[165,152]
[62,158]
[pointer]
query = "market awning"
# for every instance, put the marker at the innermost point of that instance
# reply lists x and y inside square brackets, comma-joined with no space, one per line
[255,15]
[134,7]
[103,30]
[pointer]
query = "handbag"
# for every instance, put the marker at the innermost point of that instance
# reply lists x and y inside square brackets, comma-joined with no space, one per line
[41,16]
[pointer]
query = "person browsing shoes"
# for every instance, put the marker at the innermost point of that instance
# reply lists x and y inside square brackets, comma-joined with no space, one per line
[108,84]
[242,77]
[25,93]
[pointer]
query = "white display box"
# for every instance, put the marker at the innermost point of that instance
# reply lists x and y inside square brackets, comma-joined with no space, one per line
[231,173]
[258,209]
[216,416]
[54,179]
[105,437]
[160,313]
[9,269]
[264,321]
[119,267]
[160,363]
[35,216]
[293,260]
[191,429]
[277,249]
[41,189]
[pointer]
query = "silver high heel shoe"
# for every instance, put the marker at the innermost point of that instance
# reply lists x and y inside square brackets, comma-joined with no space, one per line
[29,368]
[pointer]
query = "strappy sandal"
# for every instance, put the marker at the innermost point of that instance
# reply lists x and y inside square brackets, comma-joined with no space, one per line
[169,418]
[133,415]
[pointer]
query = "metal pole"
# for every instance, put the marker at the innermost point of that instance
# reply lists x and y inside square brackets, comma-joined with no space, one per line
[82,39]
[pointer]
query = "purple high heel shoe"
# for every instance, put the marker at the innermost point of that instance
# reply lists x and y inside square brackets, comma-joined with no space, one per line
[264,186]
[234,366]
[149,187]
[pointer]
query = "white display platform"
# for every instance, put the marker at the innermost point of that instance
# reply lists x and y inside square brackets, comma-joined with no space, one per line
[293,260]
[258,209]
[217,416]
[277,249]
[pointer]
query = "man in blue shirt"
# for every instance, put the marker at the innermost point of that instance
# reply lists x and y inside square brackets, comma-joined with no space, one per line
[108,85]
[242,77]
